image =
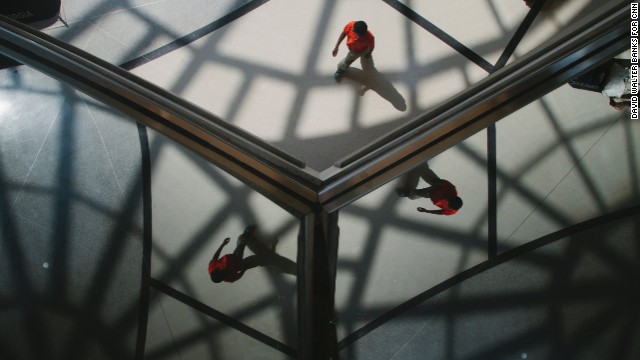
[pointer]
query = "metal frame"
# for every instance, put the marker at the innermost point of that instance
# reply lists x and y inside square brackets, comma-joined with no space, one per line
[315,197]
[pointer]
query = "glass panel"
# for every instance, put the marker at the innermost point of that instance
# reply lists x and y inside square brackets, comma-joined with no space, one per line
[71,233]
[389,252]
[568,161]
[576,305]
[196,207]
[177,331]
[564,159]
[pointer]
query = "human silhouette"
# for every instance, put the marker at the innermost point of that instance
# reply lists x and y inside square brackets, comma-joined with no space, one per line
[441,192]
[612,79]
[232,267]
[371,79]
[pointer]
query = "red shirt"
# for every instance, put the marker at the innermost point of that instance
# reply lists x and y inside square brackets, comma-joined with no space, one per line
[439,194]
[230,264]
[357,43]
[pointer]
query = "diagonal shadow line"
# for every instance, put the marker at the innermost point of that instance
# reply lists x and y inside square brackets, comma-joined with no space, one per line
[446,234]
[484,266]
[492,192]
[143,307]
[22,285]
[519,34]
[206,341]
[225,319]
[198,335]
[280,285]
[205,167]
[102,277]
[415,225]
[198,240]
[522,190]
[364,271]
[61,206]
[311,60]
[189,38]
[592,290]
[565,142]
[522,170]
[437,32]
[76,198]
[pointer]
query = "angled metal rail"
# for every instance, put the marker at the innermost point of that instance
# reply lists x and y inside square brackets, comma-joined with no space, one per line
[585,45]
[289,181]
[279,176]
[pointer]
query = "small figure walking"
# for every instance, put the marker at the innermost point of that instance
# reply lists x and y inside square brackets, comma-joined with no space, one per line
[441,192]
[230,267]
[612,79]
[360,42]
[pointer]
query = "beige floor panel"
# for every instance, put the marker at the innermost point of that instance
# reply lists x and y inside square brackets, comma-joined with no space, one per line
[460,19]
[276,82]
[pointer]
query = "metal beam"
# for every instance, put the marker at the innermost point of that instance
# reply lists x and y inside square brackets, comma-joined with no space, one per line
[588,44]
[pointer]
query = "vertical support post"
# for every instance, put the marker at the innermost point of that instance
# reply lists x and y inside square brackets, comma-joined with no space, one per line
[317,259]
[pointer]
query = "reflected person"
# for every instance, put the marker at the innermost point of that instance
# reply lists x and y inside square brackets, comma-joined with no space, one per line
[441,192]
[232,267]
[612,79]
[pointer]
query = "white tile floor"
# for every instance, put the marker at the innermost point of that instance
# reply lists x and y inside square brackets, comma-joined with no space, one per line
[562,160]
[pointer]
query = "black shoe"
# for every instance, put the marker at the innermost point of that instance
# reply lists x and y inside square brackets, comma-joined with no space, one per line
[338,75]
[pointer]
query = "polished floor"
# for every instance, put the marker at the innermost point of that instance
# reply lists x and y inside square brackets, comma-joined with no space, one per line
[87,195]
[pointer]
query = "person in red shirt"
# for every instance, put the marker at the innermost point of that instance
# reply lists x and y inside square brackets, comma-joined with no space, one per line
[230,267]
[441,192]
[360,42]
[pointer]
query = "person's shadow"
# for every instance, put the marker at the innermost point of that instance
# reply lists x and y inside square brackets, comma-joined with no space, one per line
[266,256]
[371,79]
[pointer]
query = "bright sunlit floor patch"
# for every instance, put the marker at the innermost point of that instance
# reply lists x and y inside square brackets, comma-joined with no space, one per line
[5,108]
[271,101]
[325,112]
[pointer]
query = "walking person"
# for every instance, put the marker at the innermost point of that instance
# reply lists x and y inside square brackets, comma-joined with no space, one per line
[441,192]
[360,42]
[230,267]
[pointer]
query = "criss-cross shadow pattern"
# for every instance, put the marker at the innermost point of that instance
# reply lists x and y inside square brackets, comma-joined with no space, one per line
[107,227]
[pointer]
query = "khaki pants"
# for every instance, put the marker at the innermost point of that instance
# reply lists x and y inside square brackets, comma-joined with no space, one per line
[419,193]
[350,58]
